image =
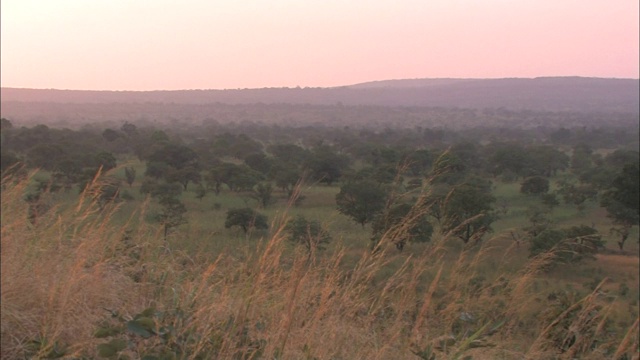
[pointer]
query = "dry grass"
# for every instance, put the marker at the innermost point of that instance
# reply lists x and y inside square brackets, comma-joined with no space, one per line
[61,273]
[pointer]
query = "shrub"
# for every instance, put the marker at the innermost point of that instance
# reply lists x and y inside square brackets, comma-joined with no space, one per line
[245,218]
[311,234]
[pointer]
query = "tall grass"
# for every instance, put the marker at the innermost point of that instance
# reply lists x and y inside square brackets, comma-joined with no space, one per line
[74,274]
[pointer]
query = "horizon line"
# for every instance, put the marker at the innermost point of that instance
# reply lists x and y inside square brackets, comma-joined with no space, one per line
[329,87]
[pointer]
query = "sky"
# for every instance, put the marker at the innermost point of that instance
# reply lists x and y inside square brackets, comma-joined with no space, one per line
[230,44]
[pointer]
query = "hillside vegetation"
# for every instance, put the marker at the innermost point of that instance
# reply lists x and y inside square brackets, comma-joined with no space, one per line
[252,240]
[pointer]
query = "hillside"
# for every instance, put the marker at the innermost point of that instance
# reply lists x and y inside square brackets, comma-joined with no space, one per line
[540,94]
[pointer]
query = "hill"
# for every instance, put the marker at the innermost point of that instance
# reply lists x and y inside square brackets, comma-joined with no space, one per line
[574,94]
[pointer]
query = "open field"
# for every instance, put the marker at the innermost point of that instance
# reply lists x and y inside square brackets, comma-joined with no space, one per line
[216,292]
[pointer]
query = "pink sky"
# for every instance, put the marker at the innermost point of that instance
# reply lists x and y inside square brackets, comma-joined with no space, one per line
[218,44]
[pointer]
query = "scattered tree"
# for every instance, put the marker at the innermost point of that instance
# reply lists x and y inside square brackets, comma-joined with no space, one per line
[130,175]
[310,234]
[468,210]
[622,201]
[535,185]
[263,193]
[172,214]
[245,218]
[361,200]
[402,224]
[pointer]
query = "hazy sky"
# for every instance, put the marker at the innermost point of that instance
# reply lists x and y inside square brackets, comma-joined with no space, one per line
[218,44]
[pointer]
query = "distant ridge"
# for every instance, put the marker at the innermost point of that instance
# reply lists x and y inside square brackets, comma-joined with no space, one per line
[579,94]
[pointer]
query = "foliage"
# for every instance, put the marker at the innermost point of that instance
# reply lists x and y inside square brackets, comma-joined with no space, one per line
[326,165]
[110,135]
[622,201]
[130,175]
[550,200]
[402,224]
[535,185]
[160,189]
[361,200]
[567,245]
[311,234]
[173,162]
[172,213]
[105,160]
[236,177]
[263,193]
[246,219]
[467,211]
[576,194]
[538,221]
[201,192]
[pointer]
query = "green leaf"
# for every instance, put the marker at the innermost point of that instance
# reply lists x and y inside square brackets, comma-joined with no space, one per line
[142,326]
[111,348]
[148,312]
[106,351]
[104,332]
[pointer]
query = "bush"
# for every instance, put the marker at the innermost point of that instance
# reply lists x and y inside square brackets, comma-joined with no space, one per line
[311,234]
[245,218]
[536,185]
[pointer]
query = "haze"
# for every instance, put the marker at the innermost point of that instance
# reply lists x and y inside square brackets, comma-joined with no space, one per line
[198,44]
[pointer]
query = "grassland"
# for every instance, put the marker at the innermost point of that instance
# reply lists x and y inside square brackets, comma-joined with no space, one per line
[83,283]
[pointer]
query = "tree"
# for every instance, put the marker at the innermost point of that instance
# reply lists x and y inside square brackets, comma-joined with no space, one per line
[105,160]
[567,245]
[45,156]
[419,162]
[538,219]
[622,201]
[130,175]
[326,165]
[545,241]
[68,172]
[156,169]
[129,129]
[8,160]
[550,200]
[509,158]
[263,193]
[547,160]
[110,135]
[172,213]
[5,124]
[468,210]
[581,158]
[535,185]
[245,218]
[402,224]
[236,177]
[285,175]
[160,189]
[201,192]
[108,191]
[448,169]
[175,155]
[184,175]
[310,234]
[382,174]
[361,200]
[577,194]
[159,136]
[259,162]
[174,163]
[289,153]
